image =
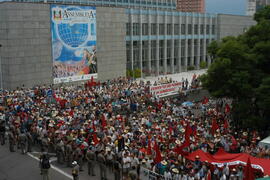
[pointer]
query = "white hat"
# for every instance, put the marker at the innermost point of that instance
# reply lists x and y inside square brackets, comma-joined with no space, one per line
[74,163]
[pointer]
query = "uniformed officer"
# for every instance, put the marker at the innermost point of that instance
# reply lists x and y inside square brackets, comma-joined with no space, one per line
[60,152]
[91,160]
[78,157]
[22,141]
[101,161]
[11,138]
[109,158]
[116,168]
[30,141]
[132,174]
[75,170]
[68,153]
[2,132]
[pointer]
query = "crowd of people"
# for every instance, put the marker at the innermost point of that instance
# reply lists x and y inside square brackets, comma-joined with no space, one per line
[121,128]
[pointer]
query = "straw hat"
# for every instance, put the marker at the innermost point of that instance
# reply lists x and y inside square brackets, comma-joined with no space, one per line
[175,170]
[164,163]
[177,142]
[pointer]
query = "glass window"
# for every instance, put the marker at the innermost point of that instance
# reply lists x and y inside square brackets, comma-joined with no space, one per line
[196,29]
[189,28]
[183,29]
[207,29]
[169,29]
[136,29]
[202,29]
[213,29]
[161,29]
[144,29]
[153,29]
[128,28]
[176,29]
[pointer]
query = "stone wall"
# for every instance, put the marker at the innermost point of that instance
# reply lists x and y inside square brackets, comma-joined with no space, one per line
[26,51]
[111,44]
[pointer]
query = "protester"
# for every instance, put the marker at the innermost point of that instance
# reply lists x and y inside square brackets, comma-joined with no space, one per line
[120,126]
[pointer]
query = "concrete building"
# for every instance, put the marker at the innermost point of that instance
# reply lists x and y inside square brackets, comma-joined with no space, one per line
[251,7]
[154,41]
[255,5]
[191,6]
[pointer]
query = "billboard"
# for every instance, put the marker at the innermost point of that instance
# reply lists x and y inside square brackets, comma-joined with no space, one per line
[73,43]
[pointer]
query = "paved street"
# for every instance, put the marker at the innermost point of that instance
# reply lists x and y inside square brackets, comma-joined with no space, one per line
[15,166]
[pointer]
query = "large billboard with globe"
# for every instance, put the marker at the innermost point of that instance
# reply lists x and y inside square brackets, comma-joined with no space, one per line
[73,43]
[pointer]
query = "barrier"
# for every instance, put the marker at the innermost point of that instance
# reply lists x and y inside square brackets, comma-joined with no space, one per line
[164,90]
[146,174]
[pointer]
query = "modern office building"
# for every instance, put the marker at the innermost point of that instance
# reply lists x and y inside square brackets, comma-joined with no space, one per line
[255,5]
[191,6]
[251,7]
[41,46]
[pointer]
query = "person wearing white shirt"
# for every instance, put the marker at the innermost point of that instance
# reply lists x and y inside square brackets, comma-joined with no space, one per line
[126,164]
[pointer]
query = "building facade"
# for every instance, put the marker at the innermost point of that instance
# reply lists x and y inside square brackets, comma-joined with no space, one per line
[191,6]
[251,7]
[255,5]
[152,41]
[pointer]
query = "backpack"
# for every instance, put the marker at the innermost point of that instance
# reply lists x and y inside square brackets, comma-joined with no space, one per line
[45,162]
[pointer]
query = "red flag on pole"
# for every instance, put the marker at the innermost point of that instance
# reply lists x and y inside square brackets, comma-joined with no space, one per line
[227,108]
[214,126]
[103,121]
[95,139]
[249,173]
[149,149]
[205,100]
[158,157]
[226,124]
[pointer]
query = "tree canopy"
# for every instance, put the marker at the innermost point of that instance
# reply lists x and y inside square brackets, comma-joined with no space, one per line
[241,71]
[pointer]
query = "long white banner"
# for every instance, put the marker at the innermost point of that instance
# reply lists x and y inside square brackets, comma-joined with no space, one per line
[165,89]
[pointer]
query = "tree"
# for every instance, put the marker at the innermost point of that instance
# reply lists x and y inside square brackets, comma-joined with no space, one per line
[241,71]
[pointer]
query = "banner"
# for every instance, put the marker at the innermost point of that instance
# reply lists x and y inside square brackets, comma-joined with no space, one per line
[73,43]
[222,157]
[165,89]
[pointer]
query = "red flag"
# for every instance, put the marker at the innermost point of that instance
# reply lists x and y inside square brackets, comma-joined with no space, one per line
[214,126]
[95,139]
[103,121]
[227,108]
[179,149]
[234,143]
[205,100]
[208,176]
[249,172]
[158,157]
[226,124]
[188,132]
[149,149]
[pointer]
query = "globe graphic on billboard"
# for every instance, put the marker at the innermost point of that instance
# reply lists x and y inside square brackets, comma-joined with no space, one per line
[73,35]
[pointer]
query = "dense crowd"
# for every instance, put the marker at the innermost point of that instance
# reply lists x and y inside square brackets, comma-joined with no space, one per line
[120,127]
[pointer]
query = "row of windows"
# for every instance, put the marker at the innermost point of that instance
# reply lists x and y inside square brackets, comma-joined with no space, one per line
[161,51]
[170,29]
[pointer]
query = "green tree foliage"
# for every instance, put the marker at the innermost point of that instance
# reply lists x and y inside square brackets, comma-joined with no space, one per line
[241,71]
